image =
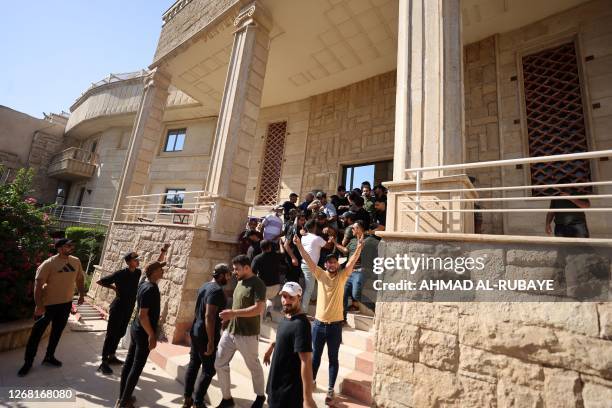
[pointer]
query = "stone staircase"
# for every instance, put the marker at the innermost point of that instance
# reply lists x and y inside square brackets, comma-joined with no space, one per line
[354,377]
[87,318]
[356,356]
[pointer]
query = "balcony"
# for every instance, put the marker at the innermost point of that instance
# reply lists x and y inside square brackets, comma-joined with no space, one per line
[64,216]
[73,164]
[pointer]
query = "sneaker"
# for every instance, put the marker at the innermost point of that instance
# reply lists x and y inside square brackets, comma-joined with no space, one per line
[114,360]
[329,398]
[226,403]
[188,403]
[23,371]
[259,401]
[105,369]
[52,361]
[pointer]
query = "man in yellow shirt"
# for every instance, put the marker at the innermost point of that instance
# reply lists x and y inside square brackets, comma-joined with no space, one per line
[53,291]
[329,316]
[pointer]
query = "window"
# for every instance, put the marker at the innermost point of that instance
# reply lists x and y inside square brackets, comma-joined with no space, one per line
[269,179]
[375,173]
[80,199]
[174,197]
[555,117]
[175,140]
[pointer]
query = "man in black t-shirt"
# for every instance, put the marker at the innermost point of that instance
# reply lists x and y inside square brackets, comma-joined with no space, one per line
[125,284]
[143,332]
[289,205]
[293,255]
[290,380]
[267,267]
[205,334]
[568,223]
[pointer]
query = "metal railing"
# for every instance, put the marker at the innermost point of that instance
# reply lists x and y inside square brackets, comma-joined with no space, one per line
[418,202]
[174,10]
[194,208]
[76,153]
[81,215]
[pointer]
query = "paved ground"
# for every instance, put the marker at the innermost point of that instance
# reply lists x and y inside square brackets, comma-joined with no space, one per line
[79,351]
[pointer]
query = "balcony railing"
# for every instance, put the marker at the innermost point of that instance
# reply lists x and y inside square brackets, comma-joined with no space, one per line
[75,215]
[73,163]
[518,197]
[174,10]
[194,208]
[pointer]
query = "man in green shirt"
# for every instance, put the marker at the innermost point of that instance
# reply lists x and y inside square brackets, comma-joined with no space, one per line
[248,303]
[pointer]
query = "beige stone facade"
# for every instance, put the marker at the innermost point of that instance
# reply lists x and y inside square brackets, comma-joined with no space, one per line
[190,258]
[417,82]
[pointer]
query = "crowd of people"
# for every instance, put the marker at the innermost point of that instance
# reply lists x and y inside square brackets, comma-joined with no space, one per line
[324,243]
[281,257]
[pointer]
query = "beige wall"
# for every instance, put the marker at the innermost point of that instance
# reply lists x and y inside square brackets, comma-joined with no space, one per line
[28,141]
[350,125]
[591,26]
[296,115]
[187,169]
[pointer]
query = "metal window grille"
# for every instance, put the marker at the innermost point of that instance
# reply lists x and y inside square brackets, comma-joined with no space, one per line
[269,179]
[555,117]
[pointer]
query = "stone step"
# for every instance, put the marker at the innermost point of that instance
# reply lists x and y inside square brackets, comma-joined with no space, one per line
[358,385]
[364,363]
[174,359]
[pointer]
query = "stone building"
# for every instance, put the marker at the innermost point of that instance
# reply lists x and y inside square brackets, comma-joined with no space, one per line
[26,141]
[246,102]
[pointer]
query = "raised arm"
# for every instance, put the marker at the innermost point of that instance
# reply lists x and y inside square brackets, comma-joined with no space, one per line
[162,253]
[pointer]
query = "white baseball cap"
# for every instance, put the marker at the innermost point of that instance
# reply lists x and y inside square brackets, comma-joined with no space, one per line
[292,288]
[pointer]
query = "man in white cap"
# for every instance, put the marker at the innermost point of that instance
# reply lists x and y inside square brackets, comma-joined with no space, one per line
[290,381]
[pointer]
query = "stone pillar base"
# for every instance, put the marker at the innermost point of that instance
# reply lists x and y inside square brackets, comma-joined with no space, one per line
[229,219]
[401,203]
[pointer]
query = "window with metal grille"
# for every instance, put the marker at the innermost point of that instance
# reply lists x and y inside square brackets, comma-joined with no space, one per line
[274,150]
[555,117]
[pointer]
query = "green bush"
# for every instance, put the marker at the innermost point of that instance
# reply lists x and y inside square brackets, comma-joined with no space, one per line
[25,243]
[88,245]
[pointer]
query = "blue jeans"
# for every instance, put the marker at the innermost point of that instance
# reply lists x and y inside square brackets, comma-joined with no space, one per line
[330,334]
[309,283]
[353,288]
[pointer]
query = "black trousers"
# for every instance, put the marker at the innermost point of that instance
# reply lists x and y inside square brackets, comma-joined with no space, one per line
[197,359]
[119,315]
[57,315]
[134,363]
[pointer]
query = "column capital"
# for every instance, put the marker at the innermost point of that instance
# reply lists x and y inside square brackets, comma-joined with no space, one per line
[156,77]
[253,13]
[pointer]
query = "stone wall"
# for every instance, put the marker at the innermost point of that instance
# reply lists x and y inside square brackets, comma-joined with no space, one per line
[296,115]
[353,124]
[190,258]
[590,25]
[469,354]
[192,19]
[482,122]
[44,147]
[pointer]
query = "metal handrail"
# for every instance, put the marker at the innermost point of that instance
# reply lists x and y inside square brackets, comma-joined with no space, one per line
[81,215]
[196,208]
[418,191]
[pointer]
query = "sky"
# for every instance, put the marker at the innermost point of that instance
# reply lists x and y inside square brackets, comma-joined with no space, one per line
[51,51]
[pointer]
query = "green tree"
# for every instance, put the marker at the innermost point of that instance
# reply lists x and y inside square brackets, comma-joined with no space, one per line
[25,243]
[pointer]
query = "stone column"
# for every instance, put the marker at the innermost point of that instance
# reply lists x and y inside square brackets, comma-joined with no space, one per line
[429,109]
[235,132]
[144,140]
